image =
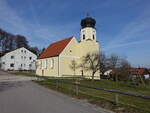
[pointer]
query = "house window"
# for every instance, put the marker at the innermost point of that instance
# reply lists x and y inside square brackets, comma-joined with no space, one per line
[11,65]
[24,57]
[24,65]
[52,63]
[12,57]
[30,65]
[83,37]
[22,51]
[30,58]
[21,65]
[25,51]
[21,57]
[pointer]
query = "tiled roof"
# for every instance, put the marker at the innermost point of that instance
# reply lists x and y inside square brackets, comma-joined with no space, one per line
[55,49]
[138,71]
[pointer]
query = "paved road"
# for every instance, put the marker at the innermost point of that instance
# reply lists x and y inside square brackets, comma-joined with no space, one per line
[25,96]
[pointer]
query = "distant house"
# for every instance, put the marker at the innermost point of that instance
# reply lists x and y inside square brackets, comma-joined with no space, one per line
[135,72]
[108,72]
[149,71]
[18,59]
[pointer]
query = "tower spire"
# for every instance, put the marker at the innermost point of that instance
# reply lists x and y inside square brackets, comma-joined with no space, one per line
[87,14]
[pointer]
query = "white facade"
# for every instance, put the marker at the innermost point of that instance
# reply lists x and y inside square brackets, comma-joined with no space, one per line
[19,59]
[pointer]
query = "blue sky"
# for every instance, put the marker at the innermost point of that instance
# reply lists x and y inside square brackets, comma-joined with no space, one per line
[123,26]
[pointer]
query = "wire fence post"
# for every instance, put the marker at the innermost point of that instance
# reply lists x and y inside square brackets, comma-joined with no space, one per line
[77,87]
[56,83]
[116,95]
[116,99]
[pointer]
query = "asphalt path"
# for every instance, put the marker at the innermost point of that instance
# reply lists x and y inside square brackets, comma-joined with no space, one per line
[21,95]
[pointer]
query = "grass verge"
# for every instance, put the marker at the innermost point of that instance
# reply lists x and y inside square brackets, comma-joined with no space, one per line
[30,74]
[127,104]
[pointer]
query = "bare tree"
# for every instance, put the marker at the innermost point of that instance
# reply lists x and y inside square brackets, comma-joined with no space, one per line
[35,50]
[74,66]
[6,41]
[123,71]
[113,63]
[10,42]
[103,63]
[120,67]
[21,41]
[91,63]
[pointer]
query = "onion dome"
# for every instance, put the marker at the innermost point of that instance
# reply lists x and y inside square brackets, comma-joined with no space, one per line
[88,22]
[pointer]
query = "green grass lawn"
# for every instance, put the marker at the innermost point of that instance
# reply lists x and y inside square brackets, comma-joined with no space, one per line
[105,99]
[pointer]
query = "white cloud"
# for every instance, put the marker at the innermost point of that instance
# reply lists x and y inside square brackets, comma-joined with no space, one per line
[127,44]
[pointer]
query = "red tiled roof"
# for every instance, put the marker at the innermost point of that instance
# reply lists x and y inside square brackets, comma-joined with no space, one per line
[55,49]
[138,71]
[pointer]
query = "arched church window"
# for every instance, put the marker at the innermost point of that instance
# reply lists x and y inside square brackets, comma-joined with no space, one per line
[52,63]
[93,37]
[83,37]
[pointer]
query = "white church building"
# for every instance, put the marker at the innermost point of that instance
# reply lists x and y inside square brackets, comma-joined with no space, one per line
[18,59]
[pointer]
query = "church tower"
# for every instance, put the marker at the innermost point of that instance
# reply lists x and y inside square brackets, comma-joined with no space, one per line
[88,42]
[88,31]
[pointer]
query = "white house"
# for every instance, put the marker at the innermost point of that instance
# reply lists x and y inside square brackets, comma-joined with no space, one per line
[18,59]
[107,73]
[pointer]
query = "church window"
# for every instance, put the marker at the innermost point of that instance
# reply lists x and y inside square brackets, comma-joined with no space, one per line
[52,63]
[83,37]
[93,37]
[45,64]
[40,63]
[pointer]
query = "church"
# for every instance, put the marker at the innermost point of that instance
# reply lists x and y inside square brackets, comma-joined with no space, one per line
[56,59]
